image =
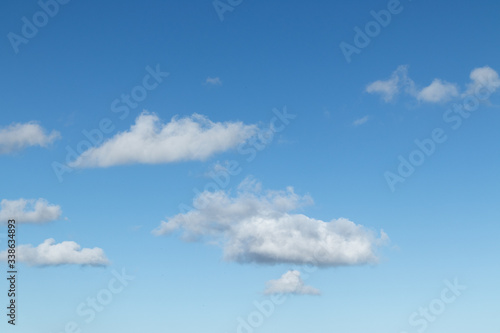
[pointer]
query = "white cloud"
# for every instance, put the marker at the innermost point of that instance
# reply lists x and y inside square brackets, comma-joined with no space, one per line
[361,121]
[215,81]
[150,141]
[483,77]
[290,283]
[29,211]
[438,91]
[19,136]
[390,88]
[51,254]
[257,226]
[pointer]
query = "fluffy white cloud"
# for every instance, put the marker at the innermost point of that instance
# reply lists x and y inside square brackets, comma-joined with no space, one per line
[215,81]
[150,141]
[51,254]
[438,91]
[28,211]
[257,226]
[483,78]
[19,136]
[290,283]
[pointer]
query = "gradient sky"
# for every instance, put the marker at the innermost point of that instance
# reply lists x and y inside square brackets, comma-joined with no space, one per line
[442,221]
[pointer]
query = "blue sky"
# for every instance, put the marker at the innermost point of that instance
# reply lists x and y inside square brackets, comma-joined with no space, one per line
[206,92]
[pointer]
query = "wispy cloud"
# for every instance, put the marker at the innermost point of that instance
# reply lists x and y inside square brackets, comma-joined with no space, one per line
[258,226]
[150,141]
[290,283]
[29,211]
[19,136]
[51,254]
[214,81]
[361,121]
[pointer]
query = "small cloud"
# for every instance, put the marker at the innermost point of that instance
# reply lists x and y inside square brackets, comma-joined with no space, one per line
[51,254]
[68,119]
[214,81]
[361,121]
[226,168]
[390,88]
[219,167]
[135,228]
[19,136]
[29,211]
[483,77]
[290,283]
[438,91]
